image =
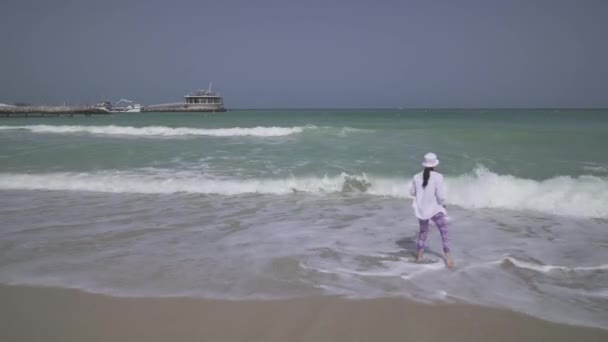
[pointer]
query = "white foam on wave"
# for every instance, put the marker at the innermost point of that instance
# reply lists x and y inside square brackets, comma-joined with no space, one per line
[344,131]
[584,196]
[131,182]
[551,268]
[596,168]
[403,269]
[162,131]
[540,268]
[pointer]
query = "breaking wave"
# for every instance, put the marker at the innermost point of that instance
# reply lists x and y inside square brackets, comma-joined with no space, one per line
[584,196]
[162,131]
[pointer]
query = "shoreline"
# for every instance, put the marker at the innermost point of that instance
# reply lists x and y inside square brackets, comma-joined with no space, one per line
[57,314]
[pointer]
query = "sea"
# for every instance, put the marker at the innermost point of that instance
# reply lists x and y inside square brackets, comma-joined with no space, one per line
[275,204]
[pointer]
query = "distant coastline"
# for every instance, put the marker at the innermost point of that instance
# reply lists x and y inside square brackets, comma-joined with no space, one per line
[198,101]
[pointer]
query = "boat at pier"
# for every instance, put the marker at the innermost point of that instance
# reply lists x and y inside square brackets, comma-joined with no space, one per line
[125,106]
[121,106]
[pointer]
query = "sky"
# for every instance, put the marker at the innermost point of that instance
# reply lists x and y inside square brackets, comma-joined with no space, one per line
[308,54]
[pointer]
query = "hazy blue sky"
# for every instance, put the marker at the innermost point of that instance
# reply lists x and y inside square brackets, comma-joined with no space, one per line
[308,53]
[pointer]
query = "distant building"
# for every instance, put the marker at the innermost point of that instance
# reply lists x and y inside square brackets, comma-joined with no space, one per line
[205,99]
[197,101]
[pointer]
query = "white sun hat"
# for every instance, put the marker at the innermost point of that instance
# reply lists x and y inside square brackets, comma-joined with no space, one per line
[430,160]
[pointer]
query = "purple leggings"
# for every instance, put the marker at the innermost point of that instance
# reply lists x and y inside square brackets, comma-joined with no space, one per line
[441,224]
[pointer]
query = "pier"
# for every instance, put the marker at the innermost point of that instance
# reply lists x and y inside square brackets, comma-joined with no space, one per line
[49,111]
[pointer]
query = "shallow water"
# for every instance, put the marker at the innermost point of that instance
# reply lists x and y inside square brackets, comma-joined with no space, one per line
[280,204]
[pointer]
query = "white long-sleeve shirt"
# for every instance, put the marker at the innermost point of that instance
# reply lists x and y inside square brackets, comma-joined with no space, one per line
[428,201]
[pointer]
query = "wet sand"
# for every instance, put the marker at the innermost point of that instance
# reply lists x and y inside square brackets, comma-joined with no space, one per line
[51,314]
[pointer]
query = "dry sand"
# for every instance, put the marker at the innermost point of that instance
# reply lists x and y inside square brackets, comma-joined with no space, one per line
[50,314]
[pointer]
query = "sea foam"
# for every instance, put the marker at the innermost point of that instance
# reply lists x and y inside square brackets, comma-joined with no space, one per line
[162,131]
[585,196]
[550,268]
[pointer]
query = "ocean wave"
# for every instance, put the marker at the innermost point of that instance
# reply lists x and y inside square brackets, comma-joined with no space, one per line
[162,131]
[550,268]
[584,196]
[402,269]
[145,183]
[345,131]
[596,168]
[410,270]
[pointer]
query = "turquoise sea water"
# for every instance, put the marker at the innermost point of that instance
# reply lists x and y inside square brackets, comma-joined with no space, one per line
[533,144]
[286,203]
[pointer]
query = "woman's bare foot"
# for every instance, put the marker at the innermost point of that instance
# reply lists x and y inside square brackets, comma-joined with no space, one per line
[449,263]
[419,255]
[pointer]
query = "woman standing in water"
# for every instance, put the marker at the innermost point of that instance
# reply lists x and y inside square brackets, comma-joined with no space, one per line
[428,191]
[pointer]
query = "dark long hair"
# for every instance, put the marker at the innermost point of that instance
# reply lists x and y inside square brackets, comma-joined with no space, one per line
[425,176]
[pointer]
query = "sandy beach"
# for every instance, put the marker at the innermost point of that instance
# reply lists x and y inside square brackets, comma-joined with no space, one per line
[50,314]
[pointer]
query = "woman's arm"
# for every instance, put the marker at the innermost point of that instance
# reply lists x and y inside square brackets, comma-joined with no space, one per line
[413,188]
[440,192]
